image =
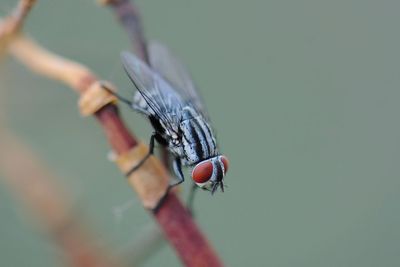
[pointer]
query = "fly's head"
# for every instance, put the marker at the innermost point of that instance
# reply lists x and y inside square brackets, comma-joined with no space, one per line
[209,173]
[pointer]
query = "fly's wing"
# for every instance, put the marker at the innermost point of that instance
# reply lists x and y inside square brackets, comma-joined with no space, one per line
[162,61]
[162,100]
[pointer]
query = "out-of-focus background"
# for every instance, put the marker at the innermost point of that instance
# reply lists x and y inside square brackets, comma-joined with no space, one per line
[304,96]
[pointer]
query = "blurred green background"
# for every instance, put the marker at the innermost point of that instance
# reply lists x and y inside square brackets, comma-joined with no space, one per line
[304,96]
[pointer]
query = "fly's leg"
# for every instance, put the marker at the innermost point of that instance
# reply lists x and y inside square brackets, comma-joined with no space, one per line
[177,165]
[121,98]
[151,151]
[190,201]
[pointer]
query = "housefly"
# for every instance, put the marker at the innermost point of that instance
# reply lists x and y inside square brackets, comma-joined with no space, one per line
[167,96]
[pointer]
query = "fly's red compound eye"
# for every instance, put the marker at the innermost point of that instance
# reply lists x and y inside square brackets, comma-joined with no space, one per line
[202,172]
[225,161]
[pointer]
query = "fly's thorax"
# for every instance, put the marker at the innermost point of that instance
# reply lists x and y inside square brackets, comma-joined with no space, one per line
[188,113]
[198,140]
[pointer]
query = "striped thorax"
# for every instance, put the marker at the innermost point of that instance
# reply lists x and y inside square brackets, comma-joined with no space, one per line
[198,140]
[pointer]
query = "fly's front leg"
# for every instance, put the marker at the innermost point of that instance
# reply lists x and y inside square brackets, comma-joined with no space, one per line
[177,165]
[151,151]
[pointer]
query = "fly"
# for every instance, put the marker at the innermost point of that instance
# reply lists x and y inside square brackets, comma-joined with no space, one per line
[168,97]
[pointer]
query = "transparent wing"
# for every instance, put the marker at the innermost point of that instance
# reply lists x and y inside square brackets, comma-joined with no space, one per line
[163,62]
[158,94]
